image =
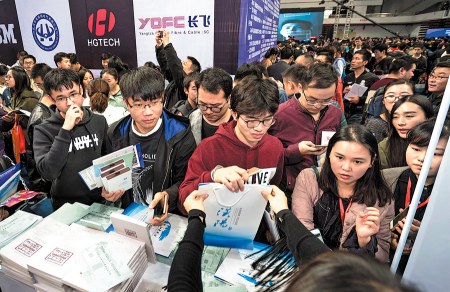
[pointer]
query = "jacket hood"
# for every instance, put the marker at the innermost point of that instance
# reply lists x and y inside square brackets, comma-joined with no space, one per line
[227,131]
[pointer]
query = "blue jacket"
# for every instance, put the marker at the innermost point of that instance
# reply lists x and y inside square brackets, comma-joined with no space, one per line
[174,150]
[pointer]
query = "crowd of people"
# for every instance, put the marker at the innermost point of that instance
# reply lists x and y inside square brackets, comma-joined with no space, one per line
[196,126]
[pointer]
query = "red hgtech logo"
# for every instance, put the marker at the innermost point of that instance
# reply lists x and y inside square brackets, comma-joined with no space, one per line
[101,21]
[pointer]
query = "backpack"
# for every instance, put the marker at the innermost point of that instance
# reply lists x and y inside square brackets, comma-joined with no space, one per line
[374,106]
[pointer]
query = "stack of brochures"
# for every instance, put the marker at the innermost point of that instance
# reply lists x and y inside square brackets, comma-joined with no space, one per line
[98,216]
[164,237]
[29,245]
[53,256]
[15,225]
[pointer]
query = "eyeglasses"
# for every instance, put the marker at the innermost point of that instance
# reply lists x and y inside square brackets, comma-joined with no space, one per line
[72,96]
[439,78]
[393,98]
[267,122]
[215,109]
[141,106]
[314,101]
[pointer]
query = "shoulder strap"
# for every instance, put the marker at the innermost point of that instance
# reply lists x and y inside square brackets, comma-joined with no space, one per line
[316,172]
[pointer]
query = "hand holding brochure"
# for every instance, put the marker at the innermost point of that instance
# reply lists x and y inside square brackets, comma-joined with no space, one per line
[113,171]
[356,90]
[232,219]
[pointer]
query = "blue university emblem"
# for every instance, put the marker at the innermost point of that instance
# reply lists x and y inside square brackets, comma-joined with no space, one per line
[45,32]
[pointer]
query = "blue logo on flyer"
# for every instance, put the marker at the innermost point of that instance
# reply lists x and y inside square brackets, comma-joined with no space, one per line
[45,32]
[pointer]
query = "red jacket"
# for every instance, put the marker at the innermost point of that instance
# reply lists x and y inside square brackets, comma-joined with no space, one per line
[293,125]
[225,149]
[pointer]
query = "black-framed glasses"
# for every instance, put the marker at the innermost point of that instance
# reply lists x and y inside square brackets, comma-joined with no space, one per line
[394,98]
[267,122]
[72,96]
[141,106]
[313,101]
[215,108]
[432,76]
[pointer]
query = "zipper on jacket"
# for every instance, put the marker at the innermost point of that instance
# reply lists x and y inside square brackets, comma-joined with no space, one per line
[167,169]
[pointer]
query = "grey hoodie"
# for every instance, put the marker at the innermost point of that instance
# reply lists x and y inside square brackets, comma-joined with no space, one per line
[61,154]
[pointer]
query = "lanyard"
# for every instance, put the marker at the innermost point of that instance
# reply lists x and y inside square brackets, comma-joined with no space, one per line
[408,196]
[341,209]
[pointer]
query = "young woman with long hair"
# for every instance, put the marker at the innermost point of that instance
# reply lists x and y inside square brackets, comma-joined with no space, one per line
[394,91]
[406,113]
[347,199]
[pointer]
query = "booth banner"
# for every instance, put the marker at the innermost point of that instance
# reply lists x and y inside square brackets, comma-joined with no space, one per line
[190,24]
[10,36]
[46,28]
[103,26]
[258,29]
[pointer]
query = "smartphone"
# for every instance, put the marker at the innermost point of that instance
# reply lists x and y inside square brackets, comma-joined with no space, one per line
[398,218]
[160,34]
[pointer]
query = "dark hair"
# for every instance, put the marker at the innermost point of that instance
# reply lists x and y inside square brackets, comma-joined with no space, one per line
[105,56]
[261,68]
[254,95]
[381,48]
[320,75]
[152,65]
[371,188]
[22,53]
[405,62]
[30,57]
[3,69]
[59,56]
[445,64]
[396,145]
[116,63]
[394,83]
[73,58]
[365,54]
[309,58]
[21,79]
[189,78]
[420,135]
[295,73]
[142,83]
[40,70]
[81,74]
[58,78]
[196,67]
[244,70]
[270,52]
[111,71]
[99,95]
[286,53]
[329,58]
[345,271]
[215,79]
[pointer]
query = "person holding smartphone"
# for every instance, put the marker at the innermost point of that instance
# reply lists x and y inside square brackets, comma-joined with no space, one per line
[347,199]
[418,140]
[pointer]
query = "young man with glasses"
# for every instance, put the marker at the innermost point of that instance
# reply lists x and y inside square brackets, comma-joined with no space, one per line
[241,144]
[68,141]
[165,139]
[437,81]
[300,122]
[214,86]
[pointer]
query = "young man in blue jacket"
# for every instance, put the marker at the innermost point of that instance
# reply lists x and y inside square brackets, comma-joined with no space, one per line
[166,142]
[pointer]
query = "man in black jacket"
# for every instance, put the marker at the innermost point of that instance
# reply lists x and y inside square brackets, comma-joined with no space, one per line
[173,69]
[276,70]
[69,140]
[42,111]
[166,142]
